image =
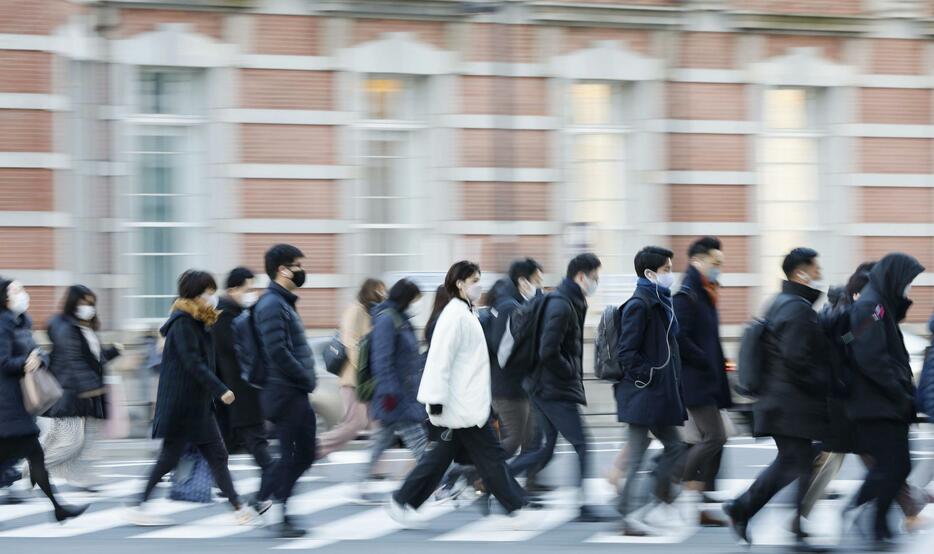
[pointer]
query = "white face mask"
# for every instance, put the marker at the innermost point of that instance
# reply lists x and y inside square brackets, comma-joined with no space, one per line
[814,284]
[85,312]
[665,280]
[590,286]
[211,300]
[474,292]
[20,303]
[713,274]
[414,308]
[527,290]
[249,299]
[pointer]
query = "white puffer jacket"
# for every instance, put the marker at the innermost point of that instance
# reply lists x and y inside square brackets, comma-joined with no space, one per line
[457,371]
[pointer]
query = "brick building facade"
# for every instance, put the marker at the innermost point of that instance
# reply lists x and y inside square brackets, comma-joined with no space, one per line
[386,137]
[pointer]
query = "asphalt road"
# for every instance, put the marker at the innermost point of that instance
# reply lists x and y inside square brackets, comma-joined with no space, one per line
[325,505]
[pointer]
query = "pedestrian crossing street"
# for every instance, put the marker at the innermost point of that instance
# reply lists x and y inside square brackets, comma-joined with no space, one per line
[333,514]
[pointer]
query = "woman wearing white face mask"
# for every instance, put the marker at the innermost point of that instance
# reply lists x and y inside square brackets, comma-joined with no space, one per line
[19,355]
[78,362]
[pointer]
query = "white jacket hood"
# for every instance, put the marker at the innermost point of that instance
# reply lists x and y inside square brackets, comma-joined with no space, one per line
[457,371]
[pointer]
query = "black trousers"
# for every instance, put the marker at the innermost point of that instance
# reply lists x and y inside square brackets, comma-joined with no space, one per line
[488,457]
[213,451]
[886,442]
[13,449]
[795,461]
[253,438]
[295,425]
[555,417]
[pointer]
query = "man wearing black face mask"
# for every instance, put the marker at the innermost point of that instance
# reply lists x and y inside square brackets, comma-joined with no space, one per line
[882,391]
[290,367]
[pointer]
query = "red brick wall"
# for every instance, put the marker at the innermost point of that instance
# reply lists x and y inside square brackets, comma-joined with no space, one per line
[708,203]
[32,17]
[23,71]
[287,198]
[895,155]
[896,205]
[497,253]
[706,152]
[277,89]
[320,249]
[25,131]
[734,305]
[815,7]
[522,201]
[134,21]
[44,302]
[577,38]
[26,189]
[895,105]
[287,34]
[27,248]
[430,32]
[830,47]
[287,144]
[923,298]
[874,248]
[517,43]
[706,101]
[318,308]
[528,148]
[893,56]
[735,252]
[707,50]
[523,95]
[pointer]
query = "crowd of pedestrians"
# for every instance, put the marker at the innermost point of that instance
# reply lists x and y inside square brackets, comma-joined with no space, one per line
[482,400]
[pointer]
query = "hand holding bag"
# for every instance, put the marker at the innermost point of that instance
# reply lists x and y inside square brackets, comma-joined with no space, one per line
[40,391]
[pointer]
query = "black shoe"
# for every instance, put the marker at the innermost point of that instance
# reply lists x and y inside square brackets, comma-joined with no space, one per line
[802,545]
[64,512]
[286,530]
[738,524]
[588,514]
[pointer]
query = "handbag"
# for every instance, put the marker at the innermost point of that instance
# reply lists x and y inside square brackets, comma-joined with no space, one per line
[40,391]
[335,356]
[192,479]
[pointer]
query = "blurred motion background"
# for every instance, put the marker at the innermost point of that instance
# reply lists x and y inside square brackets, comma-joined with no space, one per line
[391,138]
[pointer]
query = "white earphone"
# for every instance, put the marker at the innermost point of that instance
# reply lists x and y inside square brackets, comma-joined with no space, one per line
[643,384]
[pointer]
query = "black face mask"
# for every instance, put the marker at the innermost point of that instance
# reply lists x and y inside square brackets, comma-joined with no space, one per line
[298,277]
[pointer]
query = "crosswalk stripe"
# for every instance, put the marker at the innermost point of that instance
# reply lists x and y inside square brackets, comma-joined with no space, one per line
[112,518]
[500,528]
[26,509]
[675,537]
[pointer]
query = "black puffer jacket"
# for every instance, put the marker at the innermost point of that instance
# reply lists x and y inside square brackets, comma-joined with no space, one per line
[882,386]
[15,345]
[245,411]
[793,402]
[560,371]
[286,353]
[77,369]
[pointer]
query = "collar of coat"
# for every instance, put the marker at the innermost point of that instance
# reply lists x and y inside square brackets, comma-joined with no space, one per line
[573,292]
[197,310]
[288,295]
[804,291]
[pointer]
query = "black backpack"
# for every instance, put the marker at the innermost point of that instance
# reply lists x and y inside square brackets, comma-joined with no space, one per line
[366,382]
[249,350]
[752,365]
[606,344]
[518,347]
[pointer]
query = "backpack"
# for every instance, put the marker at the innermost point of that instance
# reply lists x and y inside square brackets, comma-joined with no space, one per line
[606,363]
[753,359]
[366,382]
[249,350]
[518,348]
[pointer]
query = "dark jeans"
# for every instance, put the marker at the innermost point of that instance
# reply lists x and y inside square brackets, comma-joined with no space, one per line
[886,442]
[702,459]
[253,439]
[795,461]
[556,417]
[13,449]
[485,451]
[213,451]
[295,425]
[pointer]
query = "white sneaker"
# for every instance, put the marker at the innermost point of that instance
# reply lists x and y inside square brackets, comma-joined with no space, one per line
[245,516]
[144,517]
[525,519]
[403,515]
[635,526]
[661,516]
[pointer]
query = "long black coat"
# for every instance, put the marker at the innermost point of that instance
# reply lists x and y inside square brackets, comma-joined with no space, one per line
[644,343]
[882,385]
[560,371]
[793,402]
[16,343]
[77,369]
[188,385]
[703,366]
[245,411]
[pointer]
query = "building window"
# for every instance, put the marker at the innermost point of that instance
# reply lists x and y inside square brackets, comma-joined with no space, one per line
[391,189]
[789,173]
[597,152]
[166,205]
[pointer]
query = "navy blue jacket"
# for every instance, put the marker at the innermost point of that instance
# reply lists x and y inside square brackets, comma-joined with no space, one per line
[396,364]
[505,384]
[286,353]
[925,396]
[703,366]
[560,372]
[644,343]
[16,343]
[188,384]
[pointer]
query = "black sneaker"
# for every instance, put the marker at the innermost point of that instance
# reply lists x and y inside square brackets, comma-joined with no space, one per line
[286,530]
[738,524]
[589,514]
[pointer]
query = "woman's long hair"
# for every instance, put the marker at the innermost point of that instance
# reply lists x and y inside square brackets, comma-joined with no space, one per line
[75,294]
[441,300]
[368,293]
